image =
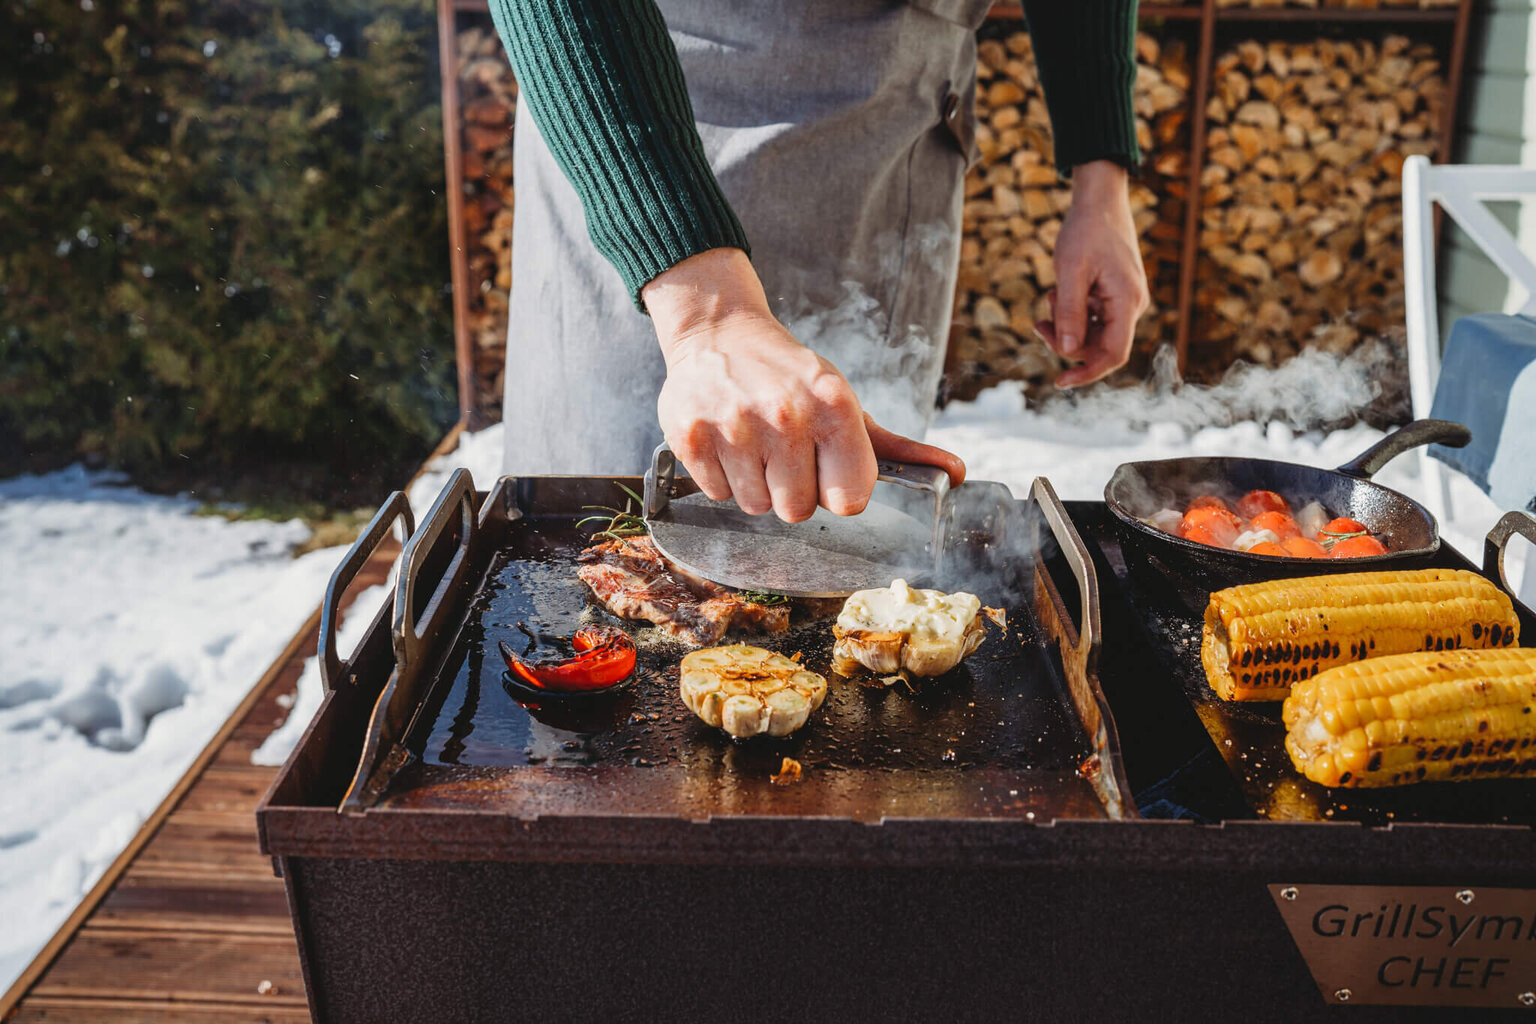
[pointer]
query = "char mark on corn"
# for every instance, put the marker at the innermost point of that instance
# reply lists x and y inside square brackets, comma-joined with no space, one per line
[1417,717]
[1260,639]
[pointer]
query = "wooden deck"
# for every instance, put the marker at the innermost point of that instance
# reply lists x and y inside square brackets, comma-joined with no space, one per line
[189,925]
[195,926]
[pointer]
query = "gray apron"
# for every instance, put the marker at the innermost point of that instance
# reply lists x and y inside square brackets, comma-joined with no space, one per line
[840,131]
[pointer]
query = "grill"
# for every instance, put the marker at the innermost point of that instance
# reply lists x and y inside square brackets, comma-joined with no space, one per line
[963,848]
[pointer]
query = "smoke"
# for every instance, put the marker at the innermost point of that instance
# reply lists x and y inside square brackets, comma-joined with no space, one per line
[1314,390]
[894,367]
[894,372]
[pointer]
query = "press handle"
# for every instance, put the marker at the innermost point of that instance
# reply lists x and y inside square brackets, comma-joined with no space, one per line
[409,634]
[914,475]
[1497,544]
[395,507]
[658,480]
[1406,438]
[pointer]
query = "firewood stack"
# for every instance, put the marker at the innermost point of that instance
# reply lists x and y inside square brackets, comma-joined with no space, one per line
[1337,3]
[1015,201]
[1301,224]
[487,104]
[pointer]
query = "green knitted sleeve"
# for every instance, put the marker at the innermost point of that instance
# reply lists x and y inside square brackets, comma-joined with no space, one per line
[1086,53]
[602,81]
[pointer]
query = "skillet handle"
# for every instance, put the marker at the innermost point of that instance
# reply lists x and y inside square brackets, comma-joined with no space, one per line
[1497,544]
[396,506]
[1405,438]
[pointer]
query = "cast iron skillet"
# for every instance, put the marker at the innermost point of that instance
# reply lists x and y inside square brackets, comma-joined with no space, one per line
[1138,489]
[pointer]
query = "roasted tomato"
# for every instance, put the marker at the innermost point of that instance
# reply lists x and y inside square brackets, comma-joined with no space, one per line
[605,655]
[1344,526]
[1300,547]
[1267,547]
[1279,523]
[1358,547]
[1220,523]
[1207,501]
[1201,535]
[1255,502]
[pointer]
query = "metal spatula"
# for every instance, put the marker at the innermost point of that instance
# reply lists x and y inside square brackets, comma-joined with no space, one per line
[825,556]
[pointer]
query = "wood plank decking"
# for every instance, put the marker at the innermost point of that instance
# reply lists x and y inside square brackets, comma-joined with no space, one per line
[189,925]
[195,928]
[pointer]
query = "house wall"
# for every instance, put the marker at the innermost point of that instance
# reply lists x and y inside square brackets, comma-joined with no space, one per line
[1498,126]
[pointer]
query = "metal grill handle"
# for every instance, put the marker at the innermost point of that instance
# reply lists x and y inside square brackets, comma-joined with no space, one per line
[410,634]
[1090,630]
[395,507]
[1497,544]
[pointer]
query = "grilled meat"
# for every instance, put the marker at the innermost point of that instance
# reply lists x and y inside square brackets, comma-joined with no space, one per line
[631,579]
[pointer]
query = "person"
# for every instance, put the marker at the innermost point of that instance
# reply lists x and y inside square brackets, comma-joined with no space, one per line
[778,188]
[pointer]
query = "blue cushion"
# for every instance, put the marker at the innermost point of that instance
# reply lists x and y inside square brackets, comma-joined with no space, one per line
[1488,382]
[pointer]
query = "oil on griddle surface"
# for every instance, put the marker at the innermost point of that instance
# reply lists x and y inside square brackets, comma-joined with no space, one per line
[961,744]
[1251,736]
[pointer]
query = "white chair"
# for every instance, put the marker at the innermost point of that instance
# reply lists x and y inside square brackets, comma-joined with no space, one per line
[1461,190]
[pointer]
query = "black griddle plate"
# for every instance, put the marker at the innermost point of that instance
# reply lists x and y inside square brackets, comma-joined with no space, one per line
[997,737]
[1167,609]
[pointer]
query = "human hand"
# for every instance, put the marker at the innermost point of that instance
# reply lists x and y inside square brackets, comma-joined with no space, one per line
[751,412]
[1101,286]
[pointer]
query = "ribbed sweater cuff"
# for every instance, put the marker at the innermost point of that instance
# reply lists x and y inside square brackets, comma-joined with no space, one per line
[1086,54]
[603,83]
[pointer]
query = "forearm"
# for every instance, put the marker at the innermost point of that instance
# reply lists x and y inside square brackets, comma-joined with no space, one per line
[603,83]
[1085,52]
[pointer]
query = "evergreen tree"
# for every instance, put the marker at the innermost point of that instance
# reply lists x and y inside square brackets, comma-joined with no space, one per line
[222,233]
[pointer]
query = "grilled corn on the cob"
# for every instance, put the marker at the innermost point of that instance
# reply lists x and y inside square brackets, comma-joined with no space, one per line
[1260,638]
[1415,718]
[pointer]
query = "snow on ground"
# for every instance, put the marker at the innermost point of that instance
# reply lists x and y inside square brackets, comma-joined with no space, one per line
[129,630]
[130,627]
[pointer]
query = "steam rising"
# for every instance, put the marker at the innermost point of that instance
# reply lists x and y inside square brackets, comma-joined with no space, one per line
[894,367]
[1314,390]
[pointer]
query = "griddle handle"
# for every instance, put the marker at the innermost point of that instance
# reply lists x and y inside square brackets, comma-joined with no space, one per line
[1497,544]
[410,633]
[1406,438]
[396,506]
[1089,629]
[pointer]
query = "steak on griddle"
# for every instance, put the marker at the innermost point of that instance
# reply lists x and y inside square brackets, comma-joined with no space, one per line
[631,579]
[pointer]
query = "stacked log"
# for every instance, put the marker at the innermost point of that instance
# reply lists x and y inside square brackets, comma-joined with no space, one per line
[1301,222]
[1352,4]
[1015,201]
[1300,226]
[487,105]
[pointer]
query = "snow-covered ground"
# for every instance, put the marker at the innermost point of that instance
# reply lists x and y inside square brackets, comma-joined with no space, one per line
[129,630]
[131,627]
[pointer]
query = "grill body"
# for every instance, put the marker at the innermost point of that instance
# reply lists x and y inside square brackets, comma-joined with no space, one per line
[427,887]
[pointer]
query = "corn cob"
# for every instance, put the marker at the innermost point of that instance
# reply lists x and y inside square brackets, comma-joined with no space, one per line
[1416,717]
[1259,638]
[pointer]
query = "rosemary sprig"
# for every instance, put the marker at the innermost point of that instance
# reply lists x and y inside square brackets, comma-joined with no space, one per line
[1333,538]
[624,522]
[763,597]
